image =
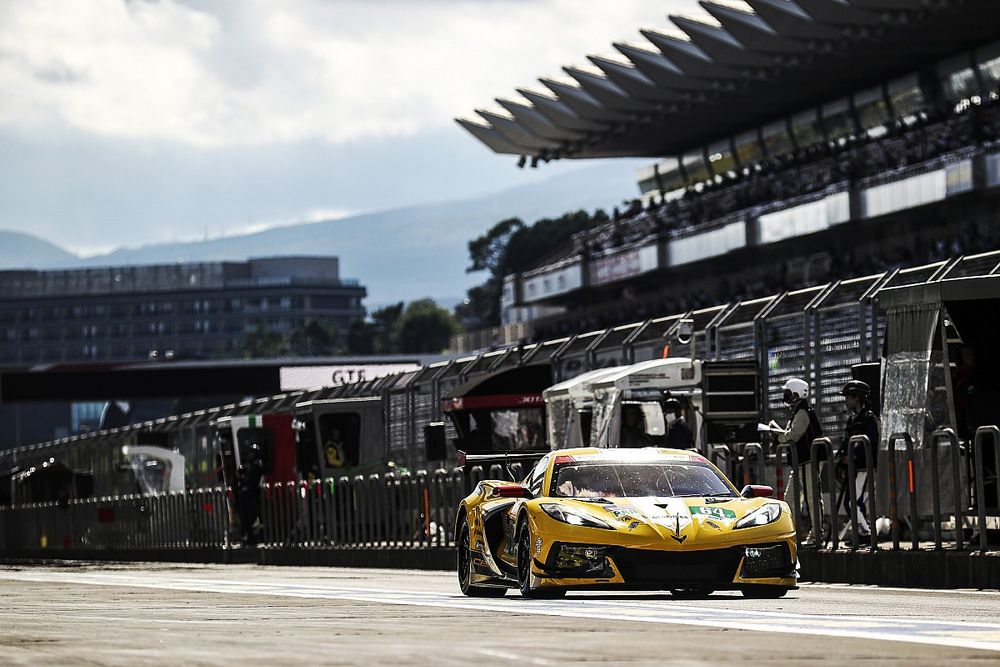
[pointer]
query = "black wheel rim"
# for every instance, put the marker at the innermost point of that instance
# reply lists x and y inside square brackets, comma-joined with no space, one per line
[523,560]
[464,560]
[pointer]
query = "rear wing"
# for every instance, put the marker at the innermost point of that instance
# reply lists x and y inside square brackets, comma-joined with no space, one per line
[505,460]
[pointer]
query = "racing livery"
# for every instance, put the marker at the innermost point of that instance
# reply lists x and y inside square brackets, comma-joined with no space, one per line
[648,519]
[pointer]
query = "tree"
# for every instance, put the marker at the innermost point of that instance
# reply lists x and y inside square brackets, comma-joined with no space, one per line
[261,343]
[488,252]
[314,338]
[510,246]
[424,327]
[384,324]
[361,337]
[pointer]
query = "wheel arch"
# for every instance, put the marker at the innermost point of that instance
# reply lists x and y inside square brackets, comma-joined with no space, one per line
[463,513]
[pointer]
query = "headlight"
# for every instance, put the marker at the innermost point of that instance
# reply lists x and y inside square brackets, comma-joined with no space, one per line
[760,517]
[560,513]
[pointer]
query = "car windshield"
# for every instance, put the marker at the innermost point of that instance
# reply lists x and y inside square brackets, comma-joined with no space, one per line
[632,480]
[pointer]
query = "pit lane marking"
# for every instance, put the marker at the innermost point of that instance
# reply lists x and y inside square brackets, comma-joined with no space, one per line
[513,657]
[898,589]
[984,636]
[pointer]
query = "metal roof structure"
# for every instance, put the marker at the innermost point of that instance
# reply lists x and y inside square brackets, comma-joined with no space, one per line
[735,67]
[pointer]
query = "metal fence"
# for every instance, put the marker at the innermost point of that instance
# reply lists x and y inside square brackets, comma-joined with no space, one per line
[193,519]
[418,510]
[961,482]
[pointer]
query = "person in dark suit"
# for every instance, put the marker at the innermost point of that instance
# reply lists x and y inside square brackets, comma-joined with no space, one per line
[678,433]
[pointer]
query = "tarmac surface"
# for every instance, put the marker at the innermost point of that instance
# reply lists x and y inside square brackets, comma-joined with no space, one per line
[90,614]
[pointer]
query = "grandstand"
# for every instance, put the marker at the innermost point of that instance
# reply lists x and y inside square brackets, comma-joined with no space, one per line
[809,153]
[887,158]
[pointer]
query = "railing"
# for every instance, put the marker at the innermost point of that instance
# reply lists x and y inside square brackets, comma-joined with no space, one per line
[418,511]
[194,520]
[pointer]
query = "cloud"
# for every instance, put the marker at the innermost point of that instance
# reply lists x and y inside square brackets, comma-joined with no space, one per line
[259,72]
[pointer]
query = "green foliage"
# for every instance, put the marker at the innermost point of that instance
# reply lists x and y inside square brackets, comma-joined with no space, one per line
[488,252]
[261,343]
[510,246]
[315,338]
[424,327]
[360,338]
[420,327]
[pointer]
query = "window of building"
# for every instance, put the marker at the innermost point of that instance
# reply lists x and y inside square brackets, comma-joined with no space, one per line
[671,175]
[873,113]
[958,81]
[777,141]
[988,60]
[330,302]
[748,148]
[807,129]
[838,120]
[721,157]
[695,166]
[906,97]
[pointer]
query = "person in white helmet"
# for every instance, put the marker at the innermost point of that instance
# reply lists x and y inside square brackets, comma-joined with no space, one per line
[802,429]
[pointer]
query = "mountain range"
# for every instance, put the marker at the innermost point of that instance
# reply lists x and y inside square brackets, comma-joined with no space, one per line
[399,254]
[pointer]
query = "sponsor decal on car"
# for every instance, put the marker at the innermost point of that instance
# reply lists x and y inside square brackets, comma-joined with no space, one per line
[538,546]
[622,513]
[720,513]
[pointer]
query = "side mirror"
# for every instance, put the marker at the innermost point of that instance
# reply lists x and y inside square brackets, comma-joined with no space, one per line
[435,442]
[757,491]
[511,491]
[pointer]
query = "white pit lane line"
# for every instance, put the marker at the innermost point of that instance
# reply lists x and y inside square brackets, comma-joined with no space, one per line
[984,636]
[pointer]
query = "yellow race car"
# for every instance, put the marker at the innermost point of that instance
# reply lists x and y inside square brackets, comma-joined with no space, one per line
[647,519]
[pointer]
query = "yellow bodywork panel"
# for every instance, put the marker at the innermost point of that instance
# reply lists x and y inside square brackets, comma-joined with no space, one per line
[614,536]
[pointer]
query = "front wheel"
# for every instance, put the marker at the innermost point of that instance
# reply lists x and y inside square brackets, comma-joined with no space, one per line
[465,567]
[524,568]
[764,592]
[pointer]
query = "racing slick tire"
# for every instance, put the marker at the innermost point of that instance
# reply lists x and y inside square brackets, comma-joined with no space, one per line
[764,592]
[691,593]
[465,567]
[524,568]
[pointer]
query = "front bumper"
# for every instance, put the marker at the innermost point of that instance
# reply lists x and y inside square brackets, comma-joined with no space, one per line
[770,563]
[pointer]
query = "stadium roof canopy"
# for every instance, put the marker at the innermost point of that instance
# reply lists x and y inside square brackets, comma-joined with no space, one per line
[733,68]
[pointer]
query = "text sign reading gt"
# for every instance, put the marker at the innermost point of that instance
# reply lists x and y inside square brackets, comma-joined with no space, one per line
[653,519]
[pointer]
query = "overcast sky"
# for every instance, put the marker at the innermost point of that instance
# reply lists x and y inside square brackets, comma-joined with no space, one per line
[124,123]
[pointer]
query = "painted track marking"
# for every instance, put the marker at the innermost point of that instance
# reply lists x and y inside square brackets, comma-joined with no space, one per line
[984,636]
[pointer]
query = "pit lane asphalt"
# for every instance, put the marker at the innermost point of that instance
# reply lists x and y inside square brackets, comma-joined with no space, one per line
[83,614]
